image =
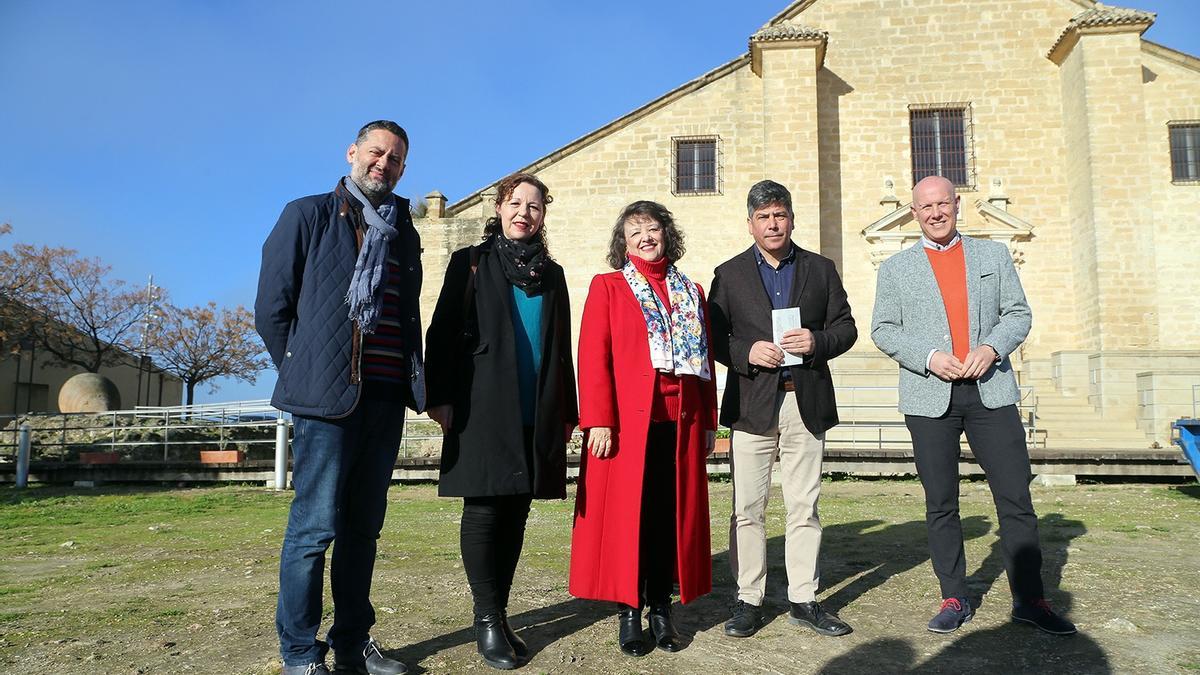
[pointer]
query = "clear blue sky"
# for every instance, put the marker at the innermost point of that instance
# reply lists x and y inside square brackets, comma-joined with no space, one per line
[164,137]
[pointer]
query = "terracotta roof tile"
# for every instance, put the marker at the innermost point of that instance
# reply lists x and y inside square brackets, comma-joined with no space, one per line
[1102,16]
[788,31]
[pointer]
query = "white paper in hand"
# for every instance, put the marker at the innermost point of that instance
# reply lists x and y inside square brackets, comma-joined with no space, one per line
[783,320]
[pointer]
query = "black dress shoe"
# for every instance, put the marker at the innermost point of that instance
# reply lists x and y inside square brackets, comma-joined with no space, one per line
[630,639]
[493,644]
[746,620]
[663,628]
[811,615]
[519,647]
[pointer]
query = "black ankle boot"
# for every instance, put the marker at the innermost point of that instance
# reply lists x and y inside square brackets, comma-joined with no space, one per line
[519,647]
[493,644]
[630,639]
[663,628]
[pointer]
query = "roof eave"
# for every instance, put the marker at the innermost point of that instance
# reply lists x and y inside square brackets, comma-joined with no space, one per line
[619,123]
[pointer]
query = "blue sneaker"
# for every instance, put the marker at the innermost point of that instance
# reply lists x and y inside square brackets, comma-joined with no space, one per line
[954,613]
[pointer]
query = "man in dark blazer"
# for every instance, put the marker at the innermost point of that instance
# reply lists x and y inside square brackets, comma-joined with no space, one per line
[950,309]
[777,410]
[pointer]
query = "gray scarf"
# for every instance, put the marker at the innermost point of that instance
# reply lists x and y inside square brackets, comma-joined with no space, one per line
[365,295]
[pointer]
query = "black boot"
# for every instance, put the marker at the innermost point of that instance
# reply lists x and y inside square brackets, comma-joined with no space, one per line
[519,647]
[630,639]
[663,628]
[493,644]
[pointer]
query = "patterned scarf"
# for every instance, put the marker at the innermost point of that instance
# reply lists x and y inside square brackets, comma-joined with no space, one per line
[365,295]
[678,344]
[523,263]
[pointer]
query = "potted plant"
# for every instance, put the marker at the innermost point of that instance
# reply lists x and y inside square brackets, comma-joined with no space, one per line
[222,455]
[722,444]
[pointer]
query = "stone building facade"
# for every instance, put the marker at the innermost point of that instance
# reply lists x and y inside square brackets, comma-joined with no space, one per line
[1059,122]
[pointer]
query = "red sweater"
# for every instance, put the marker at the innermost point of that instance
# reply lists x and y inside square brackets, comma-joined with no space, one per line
[950,270]
[665,407]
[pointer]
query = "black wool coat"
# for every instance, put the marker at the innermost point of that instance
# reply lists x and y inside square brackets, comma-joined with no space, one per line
[740,312]
[471,364]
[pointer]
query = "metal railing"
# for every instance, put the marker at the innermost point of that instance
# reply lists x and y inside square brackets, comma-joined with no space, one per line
[877,418]
[240,423]
[248,423]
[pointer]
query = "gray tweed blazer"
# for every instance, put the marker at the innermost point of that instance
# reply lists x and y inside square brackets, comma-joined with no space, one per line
[910,320]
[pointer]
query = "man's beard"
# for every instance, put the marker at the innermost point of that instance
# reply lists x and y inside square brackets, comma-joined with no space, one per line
[374,190]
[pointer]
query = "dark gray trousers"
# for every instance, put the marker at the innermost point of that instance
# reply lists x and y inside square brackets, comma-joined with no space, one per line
[997,440]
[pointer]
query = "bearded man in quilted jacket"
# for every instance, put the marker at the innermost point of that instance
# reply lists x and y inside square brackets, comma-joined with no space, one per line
[338,310]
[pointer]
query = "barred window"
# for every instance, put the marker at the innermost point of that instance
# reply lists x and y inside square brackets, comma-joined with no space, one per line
[696,166]
[941,142]
[1185,151]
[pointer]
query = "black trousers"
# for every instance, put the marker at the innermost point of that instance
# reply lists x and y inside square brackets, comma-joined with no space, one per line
[656,545]
[997,440]
[491,536]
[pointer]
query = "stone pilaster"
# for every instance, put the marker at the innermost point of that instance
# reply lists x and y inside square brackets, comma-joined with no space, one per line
[787,58]
[1110,177]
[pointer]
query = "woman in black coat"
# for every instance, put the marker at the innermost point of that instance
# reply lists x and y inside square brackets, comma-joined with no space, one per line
[501,384]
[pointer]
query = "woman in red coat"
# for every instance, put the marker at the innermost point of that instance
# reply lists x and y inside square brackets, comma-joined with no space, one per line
[647,404]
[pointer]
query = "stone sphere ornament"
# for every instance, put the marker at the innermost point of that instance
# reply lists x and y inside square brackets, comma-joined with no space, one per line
[89,393]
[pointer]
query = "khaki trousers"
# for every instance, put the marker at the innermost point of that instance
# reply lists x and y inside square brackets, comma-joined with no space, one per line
[751,459]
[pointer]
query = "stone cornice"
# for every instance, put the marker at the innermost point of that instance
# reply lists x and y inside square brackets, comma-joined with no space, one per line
[786,35]
[798,6]
[790,12]
[612,127]
[1174,56]
[1099,19]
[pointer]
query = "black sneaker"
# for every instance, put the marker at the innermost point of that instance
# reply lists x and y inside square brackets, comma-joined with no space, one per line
[812,615]
[318,668]
[954,613]
[1039,614]
[746,620]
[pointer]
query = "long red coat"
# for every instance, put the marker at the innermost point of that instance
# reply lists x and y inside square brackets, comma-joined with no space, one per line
[616,387]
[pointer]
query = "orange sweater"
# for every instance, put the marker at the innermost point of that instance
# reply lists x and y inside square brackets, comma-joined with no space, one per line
[950,270]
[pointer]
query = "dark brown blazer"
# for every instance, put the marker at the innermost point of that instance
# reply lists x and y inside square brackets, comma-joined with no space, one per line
[740,312]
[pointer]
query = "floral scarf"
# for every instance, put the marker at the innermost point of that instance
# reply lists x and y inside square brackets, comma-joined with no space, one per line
[678,343]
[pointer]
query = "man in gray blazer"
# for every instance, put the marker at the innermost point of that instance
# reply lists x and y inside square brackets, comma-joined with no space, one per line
[950,310]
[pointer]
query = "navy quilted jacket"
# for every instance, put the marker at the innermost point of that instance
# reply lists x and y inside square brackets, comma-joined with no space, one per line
[301,313]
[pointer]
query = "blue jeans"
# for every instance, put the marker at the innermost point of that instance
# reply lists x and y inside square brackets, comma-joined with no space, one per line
[341,470]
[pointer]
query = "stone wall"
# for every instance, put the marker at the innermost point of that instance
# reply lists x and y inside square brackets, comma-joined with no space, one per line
[1077,146]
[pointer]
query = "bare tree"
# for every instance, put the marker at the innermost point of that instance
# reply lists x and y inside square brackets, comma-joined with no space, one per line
[11,282]
[199,344]
[70,307]
[418,208]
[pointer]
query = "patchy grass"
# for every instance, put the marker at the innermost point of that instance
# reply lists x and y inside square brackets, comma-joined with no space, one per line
[124,579]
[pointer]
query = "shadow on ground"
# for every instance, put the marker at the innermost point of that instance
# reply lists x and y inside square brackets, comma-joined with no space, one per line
[860,549]
[1007,648]
[538,627]
[1188,490]
[868,554]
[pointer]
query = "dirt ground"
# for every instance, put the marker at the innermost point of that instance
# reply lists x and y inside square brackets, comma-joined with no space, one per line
[135,580]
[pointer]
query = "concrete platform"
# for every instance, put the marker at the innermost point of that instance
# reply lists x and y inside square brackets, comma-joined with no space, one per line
[1104,462]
